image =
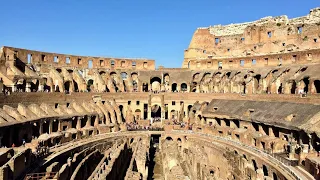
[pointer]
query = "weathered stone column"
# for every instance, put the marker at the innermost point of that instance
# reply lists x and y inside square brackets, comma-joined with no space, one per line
[50,126]
[28,87]
[59,125]
[88,123]
[41,87]
[78,126]
[40,128]
[149,112]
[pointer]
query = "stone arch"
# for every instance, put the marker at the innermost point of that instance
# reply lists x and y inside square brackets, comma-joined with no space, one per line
[265,170]
[183,87]
[316,84]
[174,87]
[274,175]
[137,114]
[155,83]
[173,114]
[156,111]
[90,85]
[293,87]
[67,86]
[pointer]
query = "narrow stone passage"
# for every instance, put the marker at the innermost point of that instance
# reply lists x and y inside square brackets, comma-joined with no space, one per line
[153,171]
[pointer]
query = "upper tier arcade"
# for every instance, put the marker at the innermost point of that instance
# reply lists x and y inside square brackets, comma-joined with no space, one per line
[270,41]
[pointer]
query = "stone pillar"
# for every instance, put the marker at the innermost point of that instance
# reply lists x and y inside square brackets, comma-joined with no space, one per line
[50,126]
[40,128]
[198,88]
[149,112]
[78,126]
[28,87]
[14,88]
[59,125]
[96,121]
[310,142]
[271,134]
[41,87]
[88,123]
[292,152]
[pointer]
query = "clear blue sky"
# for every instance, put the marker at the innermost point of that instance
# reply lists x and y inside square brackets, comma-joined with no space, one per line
[154,29]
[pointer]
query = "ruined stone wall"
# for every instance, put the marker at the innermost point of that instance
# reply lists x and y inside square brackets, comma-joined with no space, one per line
[66,60]
[269,41]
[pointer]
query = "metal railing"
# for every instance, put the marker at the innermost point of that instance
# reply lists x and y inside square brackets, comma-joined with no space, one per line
[38,176]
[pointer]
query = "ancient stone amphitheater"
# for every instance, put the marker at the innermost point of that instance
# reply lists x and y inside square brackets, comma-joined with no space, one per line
[244,105]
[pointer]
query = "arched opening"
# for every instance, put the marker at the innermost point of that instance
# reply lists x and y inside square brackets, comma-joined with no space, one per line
[137,114]
[194,87]
[169,138]
[124,75]
[67,86]
[317,86]
[174,87]
[21,85]
[34,85]
[156,111]
[280,89]
[59,70]
[145,87]
[306,82]
[46,88]
[76,87]
[255,166]
[265,170]
[155,83]
[275,177]
[55,125]
[57,88]
[173,115]
[244,87]
[121,111]
[293,87]
[90,85]
[184,87]
[189,109]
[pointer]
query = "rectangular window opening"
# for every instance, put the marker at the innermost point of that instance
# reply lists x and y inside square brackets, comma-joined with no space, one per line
[56,59]
[145,64]
[134,64]
[173,103]
[269,34]
[242,63]
[79,61]
[138,103]
[129,102]
[29,58]
[43,57]
[266,60]
[299,30]
[90,64]
[68,60]
[112,63]
[294,58]
[123,63]
[101,62]
[216,40]
[254,62]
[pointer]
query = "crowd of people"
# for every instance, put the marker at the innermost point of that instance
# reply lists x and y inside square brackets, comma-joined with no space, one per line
[133,126]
